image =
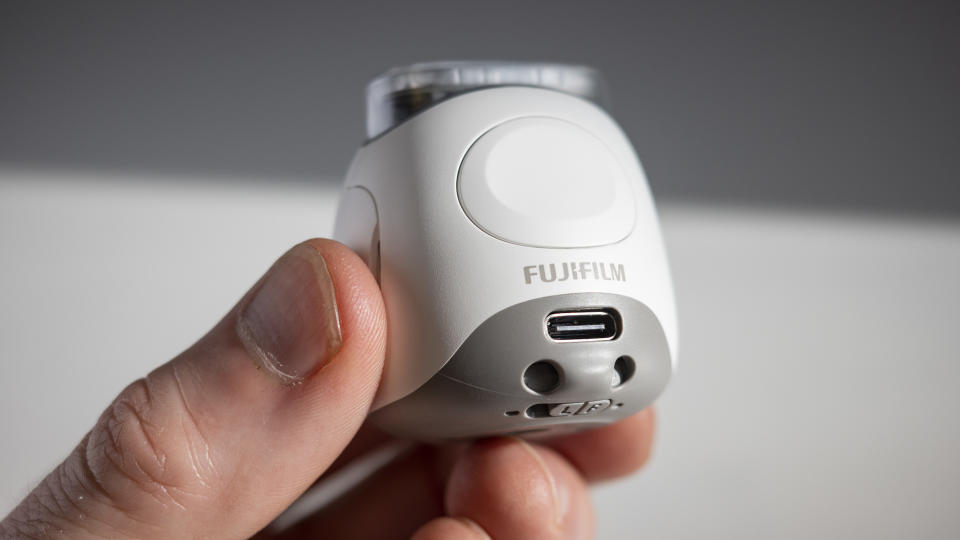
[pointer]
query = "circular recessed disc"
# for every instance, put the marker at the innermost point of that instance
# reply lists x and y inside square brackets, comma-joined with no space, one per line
[545,182]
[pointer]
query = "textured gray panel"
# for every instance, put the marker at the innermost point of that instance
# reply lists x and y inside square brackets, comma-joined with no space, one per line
[475,390]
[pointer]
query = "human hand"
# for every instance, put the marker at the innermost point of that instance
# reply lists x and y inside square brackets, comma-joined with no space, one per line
[220,440]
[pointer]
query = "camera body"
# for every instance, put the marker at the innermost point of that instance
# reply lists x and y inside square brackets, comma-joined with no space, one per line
[517,247]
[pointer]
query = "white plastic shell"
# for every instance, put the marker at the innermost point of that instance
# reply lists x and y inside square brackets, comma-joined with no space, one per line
[441,275]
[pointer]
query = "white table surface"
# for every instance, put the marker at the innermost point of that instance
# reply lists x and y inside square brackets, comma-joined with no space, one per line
[820,353]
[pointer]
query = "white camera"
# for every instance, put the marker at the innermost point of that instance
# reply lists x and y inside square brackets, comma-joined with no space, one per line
[513,234]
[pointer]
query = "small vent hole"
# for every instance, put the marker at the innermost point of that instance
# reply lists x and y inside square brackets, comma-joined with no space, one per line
[623,369]
[542,377]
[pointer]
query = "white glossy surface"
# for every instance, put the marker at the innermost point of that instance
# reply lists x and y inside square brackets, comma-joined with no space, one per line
[817,397]
[544,182]
[356,225]
[434,259]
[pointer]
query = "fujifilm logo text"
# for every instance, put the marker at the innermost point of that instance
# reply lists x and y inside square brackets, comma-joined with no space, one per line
[548,273]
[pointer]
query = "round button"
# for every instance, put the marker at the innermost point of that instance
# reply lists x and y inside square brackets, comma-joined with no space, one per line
[545,182]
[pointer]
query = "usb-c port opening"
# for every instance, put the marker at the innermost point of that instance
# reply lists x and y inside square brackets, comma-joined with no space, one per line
[583,325]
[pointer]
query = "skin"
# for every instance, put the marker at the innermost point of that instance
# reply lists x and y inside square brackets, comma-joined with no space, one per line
[209,446]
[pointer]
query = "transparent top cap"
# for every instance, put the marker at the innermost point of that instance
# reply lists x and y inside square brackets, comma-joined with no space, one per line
[402,92]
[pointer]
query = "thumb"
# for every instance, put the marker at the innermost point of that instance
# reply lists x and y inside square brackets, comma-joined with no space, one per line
[221,439]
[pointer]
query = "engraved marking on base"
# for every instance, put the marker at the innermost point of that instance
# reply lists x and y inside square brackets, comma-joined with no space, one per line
[594,407]
[565,409]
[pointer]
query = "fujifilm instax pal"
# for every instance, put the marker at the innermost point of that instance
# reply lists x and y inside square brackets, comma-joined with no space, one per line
[516,243]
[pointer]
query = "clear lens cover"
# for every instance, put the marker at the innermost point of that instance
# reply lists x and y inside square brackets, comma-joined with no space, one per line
[402,92]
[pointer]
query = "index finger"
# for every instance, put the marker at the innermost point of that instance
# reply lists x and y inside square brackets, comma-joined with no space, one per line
[610,451]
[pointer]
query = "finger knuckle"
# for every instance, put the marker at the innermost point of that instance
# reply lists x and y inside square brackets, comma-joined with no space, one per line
[144,461]
[144,443]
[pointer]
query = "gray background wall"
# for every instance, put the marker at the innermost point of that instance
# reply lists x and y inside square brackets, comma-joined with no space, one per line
[835,104]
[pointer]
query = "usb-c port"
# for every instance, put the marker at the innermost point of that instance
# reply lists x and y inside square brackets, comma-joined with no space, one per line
[585,325]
